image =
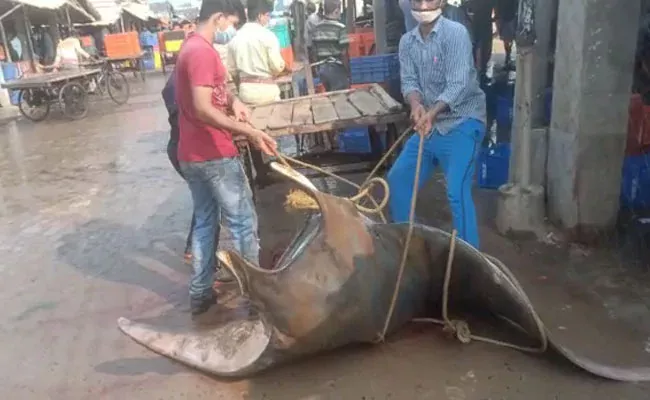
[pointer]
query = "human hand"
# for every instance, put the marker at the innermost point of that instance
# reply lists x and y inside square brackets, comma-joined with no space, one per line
[241,112]
[424,125]
[263,142]
[417,112]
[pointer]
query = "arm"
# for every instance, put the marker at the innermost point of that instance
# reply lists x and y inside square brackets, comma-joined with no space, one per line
[458,66]
[201,72]
[276,62]
[344,42]
[408,76]
[210,115]
[80,50]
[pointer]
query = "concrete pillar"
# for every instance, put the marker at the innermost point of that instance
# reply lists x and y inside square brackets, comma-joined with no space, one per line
[591,93]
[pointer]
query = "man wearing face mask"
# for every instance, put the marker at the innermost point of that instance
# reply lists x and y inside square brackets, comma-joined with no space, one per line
[440,83]
[207,154]
[255,58]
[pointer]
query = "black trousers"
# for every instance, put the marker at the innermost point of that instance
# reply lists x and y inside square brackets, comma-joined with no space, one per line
[172,154]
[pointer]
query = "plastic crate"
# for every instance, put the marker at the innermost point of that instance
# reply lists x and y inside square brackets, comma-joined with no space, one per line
[493,165]
[369,69]
[148,39]
[354,140]
[149,63]
[635,182]
[505,109]
[281,31]
[287,56]
[122,44]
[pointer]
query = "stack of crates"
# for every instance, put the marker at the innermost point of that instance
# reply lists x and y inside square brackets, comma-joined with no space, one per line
[635,182]
[149,44]
[11,71]
[493,165]
[362,42]
[281,30]
[122,44]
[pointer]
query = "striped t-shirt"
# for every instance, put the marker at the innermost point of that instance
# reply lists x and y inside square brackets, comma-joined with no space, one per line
[329,39]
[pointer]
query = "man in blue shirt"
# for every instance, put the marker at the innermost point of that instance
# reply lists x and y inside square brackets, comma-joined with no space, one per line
[440,84]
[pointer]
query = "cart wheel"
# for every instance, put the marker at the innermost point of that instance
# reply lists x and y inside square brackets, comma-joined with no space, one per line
[73,100]
[34,104]
[118,87]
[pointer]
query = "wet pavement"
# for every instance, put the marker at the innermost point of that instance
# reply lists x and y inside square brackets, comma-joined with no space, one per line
[92,226]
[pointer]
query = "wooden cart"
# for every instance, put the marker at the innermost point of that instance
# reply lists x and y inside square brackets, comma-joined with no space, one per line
[326,112]
[70,89]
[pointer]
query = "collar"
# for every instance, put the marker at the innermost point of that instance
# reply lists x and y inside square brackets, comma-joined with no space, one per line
[415,32]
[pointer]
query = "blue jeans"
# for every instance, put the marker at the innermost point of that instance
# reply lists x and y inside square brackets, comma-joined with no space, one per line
[456,153]
[219,188]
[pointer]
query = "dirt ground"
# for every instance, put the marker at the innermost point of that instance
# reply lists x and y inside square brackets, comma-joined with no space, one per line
[92,226]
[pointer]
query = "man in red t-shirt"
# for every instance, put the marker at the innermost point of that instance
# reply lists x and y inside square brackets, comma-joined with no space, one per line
[206,152]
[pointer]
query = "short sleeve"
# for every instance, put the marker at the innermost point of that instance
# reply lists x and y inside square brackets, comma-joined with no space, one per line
[202,67]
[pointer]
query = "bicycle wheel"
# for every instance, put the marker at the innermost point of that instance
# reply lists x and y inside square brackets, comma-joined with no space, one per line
[73,99]
[118,87]
[34,104]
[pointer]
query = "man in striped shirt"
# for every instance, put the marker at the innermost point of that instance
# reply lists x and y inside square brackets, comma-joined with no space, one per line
[330,43]
[440,84]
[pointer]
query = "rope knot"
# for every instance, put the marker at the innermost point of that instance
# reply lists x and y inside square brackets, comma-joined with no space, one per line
[460,329]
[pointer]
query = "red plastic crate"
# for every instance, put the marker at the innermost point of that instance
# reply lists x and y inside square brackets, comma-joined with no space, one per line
[638,127]
[122,44]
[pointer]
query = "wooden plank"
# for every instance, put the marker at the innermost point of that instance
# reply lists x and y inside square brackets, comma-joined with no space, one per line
[302,113]
[366,103]
[323,110]
[312,96]
[281,117]
[387,101]
[260,116]
[344,108]
[340,124]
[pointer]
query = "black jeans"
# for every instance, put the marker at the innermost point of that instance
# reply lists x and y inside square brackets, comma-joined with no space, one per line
[172,154]
[334,76]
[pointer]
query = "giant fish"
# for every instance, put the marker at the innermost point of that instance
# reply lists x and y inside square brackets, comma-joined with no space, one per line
[333,286]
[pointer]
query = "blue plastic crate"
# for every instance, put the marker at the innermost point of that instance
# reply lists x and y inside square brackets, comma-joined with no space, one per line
[493,165]
[14,97]
[374,69]
[148,39]
[302,85]
[635,182]
[149,63]
[354,140]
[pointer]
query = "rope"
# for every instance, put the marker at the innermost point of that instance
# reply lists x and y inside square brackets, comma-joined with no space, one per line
[459,328]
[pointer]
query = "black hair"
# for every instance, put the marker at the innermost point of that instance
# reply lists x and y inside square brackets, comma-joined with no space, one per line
[227,7]
[257,8]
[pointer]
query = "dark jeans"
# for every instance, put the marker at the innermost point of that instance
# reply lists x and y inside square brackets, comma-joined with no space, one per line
[172,150]
[334,76]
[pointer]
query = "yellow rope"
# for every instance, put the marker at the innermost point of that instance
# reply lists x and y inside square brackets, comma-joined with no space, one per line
[459,328]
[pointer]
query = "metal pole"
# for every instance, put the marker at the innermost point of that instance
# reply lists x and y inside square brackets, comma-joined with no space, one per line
[6,14]
[6,43]
[28,32]
[122,22]
[67,15]
[379,15]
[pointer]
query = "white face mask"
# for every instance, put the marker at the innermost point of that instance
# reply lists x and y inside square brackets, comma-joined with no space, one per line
[426,17]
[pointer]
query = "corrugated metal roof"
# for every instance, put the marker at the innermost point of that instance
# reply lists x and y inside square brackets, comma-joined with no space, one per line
[108,10]
[139,11]
[46,4]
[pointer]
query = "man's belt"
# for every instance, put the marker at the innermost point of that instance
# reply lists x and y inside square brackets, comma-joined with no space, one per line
[268,81]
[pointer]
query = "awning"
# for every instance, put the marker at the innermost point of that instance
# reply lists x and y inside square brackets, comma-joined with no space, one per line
[139,11]
[38,9]
[108,10]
